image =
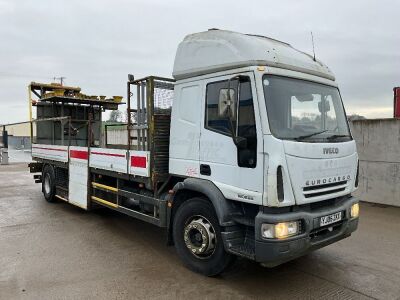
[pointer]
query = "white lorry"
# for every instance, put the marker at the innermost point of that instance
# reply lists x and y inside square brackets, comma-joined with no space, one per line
[246,153]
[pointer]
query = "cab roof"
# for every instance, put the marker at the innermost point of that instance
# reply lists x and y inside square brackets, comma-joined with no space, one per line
[218,50]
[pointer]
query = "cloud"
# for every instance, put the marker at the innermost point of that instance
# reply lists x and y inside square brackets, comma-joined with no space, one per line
[95,43]
[6,7]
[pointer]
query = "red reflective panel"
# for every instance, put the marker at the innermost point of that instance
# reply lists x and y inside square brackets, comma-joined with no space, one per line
[78,154]
[138,161]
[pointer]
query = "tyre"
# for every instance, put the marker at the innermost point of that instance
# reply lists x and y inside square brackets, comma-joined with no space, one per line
[48,184]
[197,238]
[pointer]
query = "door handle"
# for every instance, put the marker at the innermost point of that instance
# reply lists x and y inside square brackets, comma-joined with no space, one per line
[205,170]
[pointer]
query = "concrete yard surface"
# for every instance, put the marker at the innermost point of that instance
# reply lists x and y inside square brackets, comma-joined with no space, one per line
[58,251]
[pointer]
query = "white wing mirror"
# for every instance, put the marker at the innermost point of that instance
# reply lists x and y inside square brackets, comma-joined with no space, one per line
[226,103]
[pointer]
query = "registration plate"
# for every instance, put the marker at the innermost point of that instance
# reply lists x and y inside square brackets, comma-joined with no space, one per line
[330,219]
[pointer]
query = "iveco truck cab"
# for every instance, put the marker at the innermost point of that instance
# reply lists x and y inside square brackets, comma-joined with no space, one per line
[264,125]
[246,152]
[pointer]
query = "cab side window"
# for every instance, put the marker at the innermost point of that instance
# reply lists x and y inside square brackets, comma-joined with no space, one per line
[246,128]
[243,120]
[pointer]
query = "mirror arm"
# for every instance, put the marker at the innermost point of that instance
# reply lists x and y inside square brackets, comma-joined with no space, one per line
[230,119]
[232,131]
[234,136]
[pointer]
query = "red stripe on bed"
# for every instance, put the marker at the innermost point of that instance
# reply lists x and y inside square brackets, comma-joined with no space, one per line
[108,154]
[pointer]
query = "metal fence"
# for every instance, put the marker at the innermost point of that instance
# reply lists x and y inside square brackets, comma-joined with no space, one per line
[3,137]
[14,148]
[3,147]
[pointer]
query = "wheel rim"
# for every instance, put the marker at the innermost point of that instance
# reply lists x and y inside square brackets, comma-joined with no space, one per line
[199,237]
[47,187]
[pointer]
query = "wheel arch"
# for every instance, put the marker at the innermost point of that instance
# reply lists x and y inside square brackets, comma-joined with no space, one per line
[194,187]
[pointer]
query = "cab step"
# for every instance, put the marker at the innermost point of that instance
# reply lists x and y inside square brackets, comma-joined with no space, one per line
[244,250]
[240,242]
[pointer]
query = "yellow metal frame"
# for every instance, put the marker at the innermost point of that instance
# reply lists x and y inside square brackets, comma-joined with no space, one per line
[97,199]
[47,87]
[106,187]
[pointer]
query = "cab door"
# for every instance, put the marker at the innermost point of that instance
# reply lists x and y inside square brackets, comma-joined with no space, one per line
[237,170]
[186,115]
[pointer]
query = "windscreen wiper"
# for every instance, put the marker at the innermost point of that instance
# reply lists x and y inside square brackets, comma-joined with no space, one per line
[309,135]
[335,136]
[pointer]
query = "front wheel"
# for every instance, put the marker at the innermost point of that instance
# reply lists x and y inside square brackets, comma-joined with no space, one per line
[197,237]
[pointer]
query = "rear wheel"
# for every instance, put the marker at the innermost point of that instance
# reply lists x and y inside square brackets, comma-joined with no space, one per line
[48,184]
[197,237]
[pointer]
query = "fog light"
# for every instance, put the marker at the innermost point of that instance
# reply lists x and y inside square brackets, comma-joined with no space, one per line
[355,210]
[280,230]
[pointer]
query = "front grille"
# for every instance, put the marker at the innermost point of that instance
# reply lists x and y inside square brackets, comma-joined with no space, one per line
[324,189]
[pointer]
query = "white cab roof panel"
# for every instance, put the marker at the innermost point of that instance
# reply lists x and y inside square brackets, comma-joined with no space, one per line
[218,50]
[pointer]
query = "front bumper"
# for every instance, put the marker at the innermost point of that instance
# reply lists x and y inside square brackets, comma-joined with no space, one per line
[271,252]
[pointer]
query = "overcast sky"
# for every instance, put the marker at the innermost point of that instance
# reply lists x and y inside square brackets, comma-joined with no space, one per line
[96,43]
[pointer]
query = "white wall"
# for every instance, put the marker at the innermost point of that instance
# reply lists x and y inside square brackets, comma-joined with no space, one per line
[378,146]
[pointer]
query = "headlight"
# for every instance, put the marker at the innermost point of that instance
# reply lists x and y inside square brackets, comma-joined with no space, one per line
[355,210]
[280,230]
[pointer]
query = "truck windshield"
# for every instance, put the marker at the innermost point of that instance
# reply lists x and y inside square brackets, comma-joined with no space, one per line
[304,111]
